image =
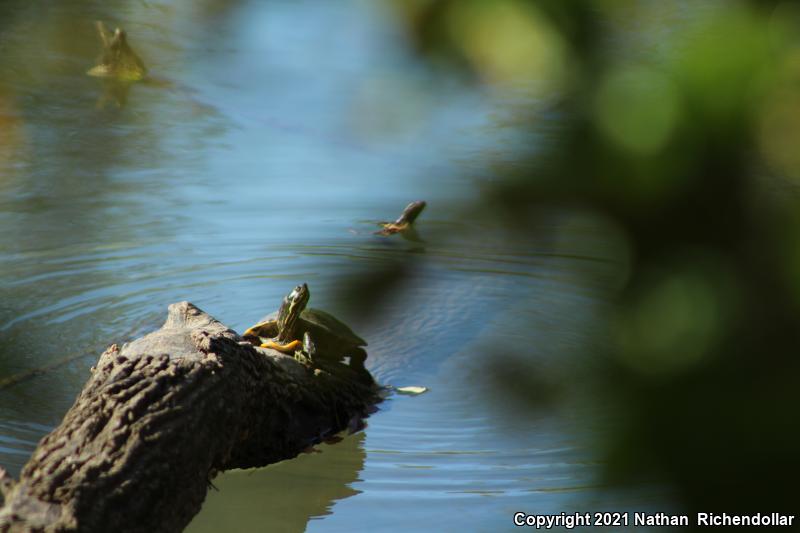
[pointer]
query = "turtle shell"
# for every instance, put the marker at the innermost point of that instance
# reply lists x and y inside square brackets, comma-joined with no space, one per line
[317,321]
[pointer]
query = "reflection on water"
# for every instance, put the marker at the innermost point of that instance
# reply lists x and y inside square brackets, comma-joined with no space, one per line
[284,495]
[270,140]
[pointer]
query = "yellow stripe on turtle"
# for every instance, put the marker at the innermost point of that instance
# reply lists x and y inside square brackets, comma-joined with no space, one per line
[289,347]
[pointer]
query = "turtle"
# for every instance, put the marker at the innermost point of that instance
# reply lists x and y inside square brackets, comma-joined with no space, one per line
[322,334]
[404,221]
[118,60]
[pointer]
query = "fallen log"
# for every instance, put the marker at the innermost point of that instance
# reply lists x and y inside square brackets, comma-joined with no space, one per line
[162,415]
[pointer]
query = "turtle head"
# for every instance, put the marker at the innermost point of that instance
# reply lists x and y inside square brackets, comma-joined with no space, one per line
[411,212]
[293,304]
[118,39]
[299,296]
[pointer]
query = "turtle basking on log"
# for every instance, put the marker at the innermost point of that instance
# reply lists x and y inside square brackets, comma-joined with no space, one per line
[404,221]
[160,416]
[118,59]
[318,333]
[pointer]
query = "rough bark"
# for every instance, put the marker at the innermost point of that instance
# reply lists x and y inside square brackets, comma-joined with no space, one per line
[160,416]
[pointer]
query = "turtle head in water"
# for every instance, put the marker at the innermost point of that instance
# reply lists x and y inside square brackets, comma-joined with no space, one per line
[118,42]
[118,59]
[404,221]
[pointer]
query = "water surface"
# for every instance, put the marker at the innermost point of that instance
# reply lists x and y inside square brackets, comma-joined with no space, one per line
[271,139]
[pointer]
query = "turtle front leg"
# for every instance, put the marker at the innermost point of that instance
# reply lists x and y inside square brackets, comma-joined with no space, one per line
[306,354]
[289,347]
[309,346]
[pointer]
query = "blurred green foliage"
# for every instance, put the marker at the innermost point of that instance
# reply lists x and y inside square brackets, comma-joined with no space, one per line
[686,139]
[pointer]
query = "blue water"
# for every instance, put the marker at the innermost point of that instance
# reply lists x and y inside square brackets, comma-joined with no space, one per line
[271,139]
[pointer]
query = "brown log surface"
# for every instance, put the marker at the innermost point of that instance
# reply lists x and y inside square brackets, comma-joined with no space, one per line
[161,416]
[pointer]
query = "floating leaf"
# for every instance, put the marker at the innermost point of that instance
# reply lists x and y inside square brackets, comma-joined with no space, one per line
[411,391]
